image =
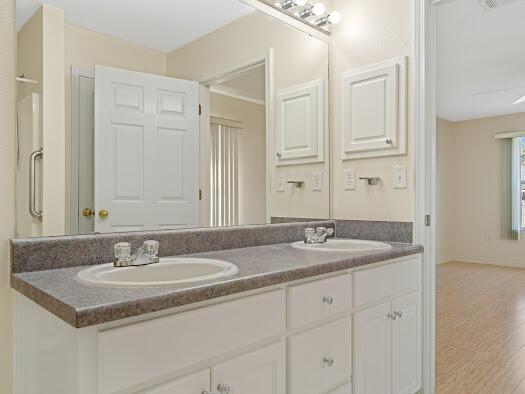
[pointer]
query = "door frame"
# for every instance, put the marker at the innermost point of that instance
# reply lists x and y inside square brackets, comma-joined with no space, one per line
[76,74]
[204,92]
[425,174]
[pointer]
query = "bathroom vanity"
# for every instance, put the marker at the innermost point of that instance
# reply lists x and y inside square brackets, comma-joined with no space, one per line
[289,321]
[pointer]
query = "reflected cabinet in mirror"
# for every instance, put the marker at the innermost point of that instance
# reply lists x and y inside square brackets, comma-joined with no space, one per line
[163,115]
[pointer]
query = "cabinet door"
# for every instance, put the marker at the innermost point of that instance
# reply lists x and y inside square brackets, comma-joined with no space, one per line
[373,344]
[259,372]
[195,383]
[406,345]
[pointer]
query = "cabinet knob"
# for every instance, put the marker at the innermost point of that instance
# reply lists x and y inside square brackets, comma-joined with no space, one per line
[392,315]
[328,361]
[223,388]
[388,141]
[87,212]
[103,213]
[399,314]
[329,300]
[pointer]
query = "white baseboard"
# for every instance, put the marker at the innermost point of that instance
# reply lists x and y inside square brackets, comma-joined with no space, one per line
[515,264]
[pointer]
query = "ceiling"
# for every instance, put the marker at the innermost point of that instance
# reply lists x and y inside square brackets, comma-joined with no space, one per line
[481,60]
[249,86]
[164,25]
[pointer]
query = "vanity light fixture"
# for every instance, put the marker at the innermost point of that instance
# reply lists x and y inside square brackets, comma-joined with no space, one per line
[521,100]
[313,14]
[287,4]
[334,18]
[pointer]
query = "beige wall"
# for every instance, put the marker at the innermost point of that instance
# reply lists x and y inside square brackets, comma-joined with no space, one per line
[298,58]
[444,190]
[473,178]
[252,154]
[86,48]
[7,184]
[371,31]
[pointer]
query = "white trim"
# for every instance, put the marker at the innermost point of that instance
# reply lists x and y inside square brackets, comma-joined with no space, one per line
[227,93]
[298,24]
[509,134]
[482,260]
[270,127]
[233,73]
[425,173]
[76,74]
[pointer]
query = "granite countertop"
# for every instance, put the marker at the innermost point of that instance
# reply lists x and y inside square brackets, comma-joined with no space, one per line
[81,305]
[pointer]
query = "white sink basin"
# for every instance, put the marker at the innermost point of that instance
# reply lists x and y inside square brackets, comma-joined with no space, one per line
[344,245]
[170,271]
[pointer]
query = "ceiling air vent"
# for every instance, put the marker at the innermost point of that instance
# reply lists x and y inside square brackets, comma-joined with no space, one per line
[491,4]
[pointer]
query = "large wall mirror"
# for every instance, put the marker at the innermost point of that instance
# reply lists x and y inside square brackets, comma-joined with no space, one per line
[154,115]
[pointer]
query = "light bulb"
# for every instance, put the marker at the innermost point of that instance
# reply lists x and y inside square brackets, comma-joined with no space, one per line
[334,18]
[299,3]
[318,9]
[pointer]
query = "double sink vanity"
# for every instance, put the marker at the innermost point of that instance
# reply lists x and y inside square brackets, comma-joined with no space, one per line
[246,310]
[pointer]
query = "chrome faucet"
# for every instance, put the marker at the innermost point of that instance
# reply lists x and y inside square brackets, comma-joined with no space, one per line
[145,255]
[317,235]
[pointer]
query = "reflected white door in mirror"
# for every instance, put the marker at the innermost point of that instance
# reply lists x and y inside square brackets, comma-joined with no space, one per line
[146,151]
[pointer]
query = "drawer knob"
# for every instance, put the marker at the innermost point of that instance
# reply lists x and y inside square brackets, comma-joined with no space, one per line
[329,300]
[328,361]
[223,388]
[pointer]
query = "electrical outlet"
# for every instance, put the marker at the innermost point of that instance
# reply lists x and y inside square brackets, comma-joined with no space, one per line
[400,177]
[350,179]
[280,183]
[317,185]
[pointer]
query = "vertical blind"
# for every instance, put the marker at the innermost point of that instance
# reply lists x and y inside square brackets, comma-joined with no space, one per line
[224,171]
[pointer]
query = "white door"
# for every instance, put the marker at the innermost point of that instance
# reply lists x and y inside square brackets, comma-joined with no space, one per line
[196,383]
[146,151]
[257,372]
[406,345]
[373,344]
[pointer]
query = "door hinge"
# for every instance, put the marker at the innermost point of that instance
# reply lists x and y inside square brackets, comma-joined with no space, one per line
[427,220]
[200,194]
[200,109]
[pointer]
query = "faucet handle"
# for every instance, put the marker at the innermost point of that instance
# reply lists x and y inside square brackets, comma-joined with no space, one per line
[320,231]
[122,254]
[151,247]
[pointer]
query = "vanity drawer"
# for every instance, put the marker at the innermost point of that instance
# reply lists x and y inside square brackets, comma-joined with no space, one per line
[317,300]
[374,284]
[140,352]
[310,353]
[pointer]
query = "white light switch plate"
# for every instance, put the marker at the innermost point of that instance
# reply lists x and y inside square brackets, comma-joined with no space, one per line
[400,177]
[280,183]
[317,184]
[350,179]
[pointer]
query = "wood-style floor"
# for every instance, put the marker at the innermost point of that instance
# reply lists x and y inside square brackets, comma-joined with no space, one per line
[480,329]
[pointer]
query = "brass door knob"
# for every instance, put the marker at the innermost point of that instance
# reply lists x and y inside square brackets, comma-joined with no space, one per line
[103,213]
[87,212]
